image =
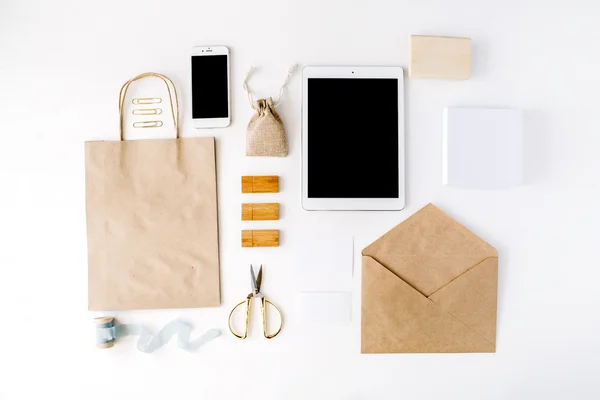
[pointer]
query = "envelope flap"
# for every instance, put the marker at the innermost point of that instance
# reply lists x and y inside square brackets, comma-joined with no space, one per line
[395,318]
[472,298]
[429,249]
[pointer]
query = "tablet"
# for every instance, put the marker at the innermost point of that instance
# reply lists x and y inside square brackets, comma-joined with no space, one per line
[353,138]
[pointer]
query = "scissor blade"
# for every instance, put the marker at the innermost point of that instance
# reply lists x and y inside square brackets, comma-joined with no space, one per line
[253,279]
[259,279]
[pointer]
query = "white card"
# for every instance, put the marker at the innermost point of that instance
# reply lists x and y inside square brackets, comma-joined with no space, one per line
[324,262]
[483,148]
[324,307]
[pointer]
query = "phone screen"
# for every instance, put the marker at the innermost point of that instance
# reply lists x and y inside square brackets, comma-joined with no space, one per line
[209,86]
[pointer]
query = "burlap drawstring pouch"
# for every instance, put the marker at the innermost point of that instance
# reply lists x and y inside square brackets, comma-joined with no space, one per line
[265,135]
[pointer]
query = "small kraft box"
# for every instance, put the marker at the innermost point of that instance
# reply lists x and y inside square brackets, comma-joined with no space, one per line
[440,57]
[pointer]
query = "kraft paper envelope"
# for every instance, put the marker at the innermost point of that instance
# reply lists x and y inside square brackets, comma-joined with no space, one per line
[429,286]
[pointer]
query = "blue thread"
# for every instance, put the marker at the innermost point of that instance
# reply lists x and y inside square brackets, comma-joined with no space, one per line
[147,343]
[107,324]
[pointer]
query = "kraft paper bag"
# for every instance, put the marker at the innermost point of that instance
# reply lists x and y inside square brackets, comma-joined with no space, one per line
[152,221]
[429,286]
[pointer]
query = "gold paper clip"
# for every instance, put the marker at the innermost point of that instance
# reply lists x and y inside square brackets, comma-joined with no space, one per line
[147,111]
[147,100]
[147,124]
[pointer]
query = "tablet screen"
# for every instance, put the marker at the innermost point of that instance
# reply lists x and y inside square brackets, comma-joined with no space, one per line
[353,138]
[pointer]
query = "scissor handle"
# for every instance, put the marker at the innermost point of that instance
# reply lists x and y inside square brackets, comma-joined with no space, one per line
[263,308]
[248,302]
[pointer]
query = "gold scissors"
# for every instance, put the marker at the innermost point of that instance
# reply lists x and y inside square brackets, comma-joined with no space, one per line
[256,281]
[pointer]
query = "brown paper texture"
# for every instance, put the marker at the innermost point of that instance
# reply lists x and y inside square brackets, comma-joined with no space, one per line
[429,286]
[152,224]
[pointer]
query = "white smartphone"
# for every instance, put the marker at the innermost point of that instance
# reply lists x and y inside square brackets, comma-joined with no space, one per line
[211,106]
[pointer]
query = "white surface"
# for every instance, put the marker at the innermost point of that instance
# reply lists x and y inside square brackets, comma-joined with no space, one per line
[311,203]
[207,51]
[319,309]
[483,148]
[324,262]
[61,66]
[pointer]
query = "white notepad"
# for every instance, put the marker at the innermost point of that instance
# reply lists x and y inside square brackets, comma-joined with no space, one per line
[483,148]
[324,308]
[324,262]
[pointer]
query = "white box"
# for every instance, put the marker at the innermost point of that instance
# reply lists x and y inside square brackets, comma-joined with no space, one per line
[483,148]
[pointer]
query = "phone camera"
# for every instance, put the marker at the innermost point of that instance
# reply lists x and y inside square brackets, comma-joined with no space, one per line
[352,71]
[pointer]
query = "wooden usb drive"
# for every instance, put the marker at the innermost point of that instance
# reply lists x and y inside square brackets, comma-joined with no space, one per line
[260,184]
[260,212]
[265,238]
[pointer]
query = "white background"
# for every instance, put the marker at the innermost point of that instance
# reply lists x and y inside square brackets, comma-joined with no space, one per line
[61,66]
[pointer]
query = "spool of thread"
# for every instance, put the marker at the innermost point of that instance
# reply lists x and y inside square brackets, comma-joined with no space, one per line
[105,332]
[108,330]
